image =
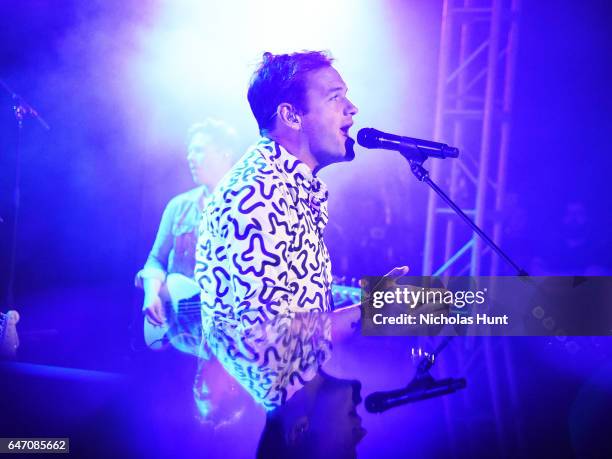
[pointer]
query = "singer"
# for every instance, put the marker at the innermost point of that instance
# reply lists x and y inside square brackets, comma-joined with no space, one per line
[264,270]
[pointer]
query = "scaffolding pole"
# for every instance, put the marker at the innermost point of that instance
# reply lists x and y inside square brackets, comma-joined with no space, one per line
[473,106]
[476,71]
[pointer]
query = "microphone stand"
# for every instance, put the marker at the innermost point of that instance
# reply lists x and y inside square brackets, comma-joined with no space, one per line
[422,387]
[416,160]
[21,110]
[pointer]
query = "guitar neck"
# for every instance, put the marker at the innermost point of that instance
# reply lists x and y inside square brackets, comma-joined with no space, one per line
[345,296]
[9,341]
[3,319]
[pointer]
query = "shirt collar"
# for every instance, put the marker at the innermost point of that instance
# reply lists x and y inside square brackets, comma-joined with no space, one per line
[289,165]
[300,174]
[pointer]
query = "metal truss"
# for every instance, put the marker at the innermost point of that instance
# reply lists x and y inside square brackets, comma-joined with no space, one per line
[474,101]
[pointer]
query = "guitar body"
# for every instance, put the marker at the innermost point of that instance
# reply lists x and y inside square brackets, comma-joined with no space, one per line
[9,340]
[183,327]
[181,297]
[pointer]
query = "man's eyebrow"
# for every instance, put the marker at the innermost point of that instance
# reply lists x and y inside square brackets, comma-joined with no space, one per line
[336,89]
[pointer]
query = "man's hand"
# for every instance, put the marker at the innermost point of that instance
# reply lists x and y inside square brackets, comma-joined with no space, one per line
[388,281]
[422,307]
[153,309]
[346,320]
[397,272]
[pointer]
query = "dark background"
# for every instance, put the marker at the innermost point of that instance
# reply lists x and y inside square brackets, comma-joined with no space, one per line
[91,198]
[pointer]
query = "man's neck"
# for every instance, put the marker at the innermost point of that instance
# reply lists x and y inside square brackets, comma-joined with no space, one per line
[297,148]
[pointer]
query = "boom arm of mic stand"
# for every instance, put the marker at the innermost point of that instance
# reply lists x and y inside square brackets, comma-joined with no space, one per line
[416,166]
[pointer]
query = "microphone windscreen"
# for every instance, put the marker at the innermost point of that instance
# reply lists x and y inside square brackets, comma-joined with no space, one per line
[366,137]
[374,403]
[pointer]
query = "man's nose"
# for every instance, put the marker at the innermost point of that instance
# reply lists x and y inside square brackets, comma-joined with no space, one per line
[351,108]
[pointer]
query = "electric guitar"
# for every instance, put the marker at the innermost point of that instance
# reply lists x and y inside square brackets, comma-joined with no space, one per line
[9,340]
[183,327]
[181,299]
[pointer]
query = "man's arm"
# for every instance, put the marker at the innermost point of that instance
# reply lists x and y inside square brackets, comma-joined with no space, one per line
[153,275]
[152,305]
[345,321]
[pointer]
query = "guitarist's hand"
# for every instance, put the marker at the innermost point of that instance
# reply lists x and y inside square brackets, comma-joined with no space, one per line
[153,309]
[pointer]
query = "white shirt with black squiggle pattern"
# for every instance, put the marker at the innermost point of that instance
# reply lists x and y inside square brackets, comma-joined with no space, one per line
[265,274]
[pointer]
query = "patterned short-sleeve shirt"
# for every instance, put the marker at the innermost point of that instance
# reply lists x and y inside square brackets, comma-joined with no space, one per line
[265,274]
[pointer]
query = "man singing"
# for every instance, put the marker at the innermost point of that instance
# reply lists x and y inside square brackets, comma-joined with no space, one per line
[264,270]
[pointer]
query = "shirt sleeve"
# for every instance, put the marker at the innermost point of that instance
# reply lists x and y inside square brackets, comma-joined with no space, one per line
[156,266]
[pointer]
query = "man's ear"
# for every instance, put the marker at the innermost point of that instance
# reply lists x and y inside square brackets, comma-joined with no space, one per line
[298,431]
[289,116]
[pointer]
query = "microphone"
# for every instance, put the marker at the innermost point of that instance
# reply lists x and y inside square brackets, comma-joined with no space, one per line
[412,148]
[421,388]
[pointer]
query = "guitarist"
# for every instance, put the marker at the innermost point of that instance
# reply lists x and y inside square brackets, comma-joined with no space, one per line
[210,154]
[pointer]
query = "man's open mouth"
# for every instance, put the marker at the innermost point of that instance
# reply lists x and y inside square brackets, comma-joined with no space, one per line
[345,129]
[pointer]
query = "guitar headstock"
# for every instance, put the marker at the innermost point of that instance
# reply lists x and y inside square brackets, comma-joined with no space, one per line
[9,340]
